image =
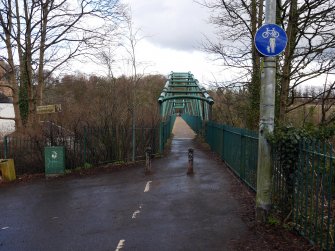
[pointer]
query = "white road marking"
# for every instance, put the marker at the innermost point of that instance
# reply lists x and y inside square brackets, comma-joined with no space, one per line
[4,228]
[120,245]
[135,213]
[147,186]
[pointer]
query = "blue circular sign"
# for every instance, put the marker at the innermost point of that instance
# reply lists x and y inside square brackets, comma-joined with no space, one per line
[270,40]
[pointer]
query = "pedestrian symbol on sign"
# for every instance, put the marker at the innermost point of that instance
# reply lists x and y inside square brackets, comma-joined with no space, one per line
[273,34]
[270,40]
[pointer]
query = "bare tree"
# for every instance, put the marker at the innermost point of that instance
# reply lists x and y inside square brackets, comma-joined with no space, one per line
[327,102]
[131,39]
[107,58]
[45,35]
[309,52]
[311,43]
[237,23]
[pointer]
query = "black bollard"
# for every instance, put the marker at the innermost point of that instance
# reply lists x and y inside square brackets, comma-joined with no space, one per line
[148,160]
[190,161]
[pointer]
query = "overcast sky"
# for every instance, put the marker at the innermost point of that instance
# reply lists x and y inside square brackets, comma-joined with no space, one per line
[173,24]
[172,32]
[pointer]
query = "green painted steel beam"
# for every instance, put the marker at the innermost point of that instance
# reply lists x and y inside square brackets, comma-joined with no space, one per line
[188,97]
[183,91]
[180,86]
[176,74]
[182,80]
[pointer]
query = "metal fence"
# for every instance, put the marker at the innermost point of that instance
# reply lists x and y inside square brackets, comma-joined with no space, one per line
[237,147]
[194,122]
[166,130]
[303,190]
[86,146]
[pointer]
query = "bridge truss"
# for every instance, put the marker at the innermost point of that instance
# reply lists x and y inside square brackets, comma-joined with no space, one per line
[182,94]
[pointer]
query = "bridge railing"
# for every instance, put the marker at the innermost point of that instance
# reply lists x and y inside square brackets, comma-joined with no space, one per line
[166,130]
[237,147]
[305,196]
[194,122]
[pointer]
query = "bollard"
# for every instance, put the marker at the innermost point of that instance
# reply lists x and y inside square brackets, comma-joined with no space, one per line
[148,160]
[190,161]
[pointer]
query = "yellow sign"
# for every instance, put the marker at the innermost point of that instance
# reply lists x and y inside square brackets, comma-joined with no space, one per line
[42,109]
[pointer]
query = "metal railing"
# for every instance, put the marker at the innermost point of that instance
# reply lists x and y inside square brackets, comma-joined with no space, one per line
[86,146]
[303,190]
[194,122]
[237,147]
[166,130]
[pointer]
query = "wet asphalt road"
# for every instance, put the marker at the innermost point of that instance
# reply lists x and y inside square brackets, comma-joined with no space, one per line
[126,210]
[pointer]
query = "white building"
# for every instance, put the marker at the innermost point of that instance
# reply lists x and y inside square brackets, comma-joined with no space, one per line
[7,126]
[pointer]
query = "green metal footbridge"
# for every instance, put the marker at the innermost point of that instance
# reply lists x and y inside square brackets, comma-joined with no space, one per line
[312,189]
[183,95]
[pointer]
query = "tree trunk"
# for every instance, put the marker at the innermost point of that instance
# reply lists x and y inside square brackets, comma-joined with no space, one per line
[12,71]
[40,81]
[28,66]
[254,88]
[288,57]
[18,121]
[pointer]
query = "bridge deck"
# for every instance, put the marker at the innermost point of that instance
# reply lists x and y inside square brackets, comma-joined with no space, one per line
[181,130]
[167,210]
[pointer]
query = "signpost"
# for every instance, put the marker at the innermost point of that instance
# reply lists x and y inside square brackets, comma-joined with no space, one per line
[270,40]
